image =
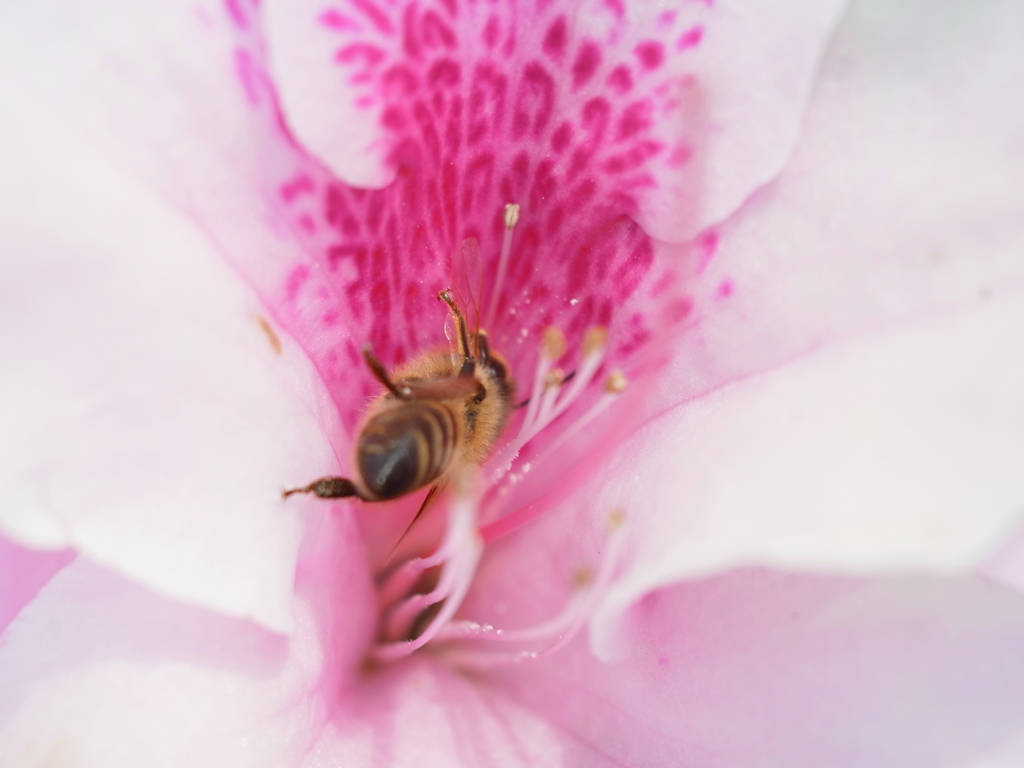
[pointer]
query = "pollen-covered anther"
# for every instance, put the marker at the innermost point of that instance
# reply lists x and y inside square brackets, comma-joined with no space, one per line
[582,577]
[616,382]
[615,520]
[553,343]
[554,379]
[554,393]
[511,218]
[511,215]
[595,340]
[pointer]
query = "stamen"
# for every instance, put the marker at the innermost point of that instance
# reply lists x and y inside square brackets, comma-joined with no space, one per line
[553,343]
[511,219]
[459,554]
[593,356]
[398,584]
[466,638]
[594,340]
[411,617]
[551,350]
[614,386]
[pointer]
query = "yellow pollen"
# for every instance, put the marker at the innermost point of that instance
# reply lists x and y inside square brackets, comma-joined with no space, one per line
[553,343]
[615,519]
[554,379]
[511,215]
[268,331]
[615,383]
[582,577]
[594,340]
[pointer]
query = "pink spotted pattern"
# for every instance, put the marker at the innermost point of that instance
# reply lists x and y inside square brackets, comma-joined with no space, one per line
[551,105]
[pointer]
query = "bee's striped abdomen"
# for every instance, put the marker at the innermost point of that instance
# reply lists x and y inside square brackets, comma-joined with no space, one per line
[405,447]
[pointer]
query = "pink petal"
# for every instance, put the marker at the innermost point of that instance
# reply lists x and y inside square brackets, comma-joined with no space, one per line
[421,713]
[899,452]
[98,671]
[902,449]
[23,572]
[150,421]
[756,668]
[705,99]
[337,267]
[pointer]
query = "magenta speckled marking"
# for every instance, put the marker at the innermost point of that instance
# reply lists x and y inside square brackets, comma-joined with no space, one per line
[236,13]
[368,55]
[620,81]
[337,21]
[588,59]
[679,156]
[725,289]
[481,106]
[690,38]
[707,246]
[374,15]
[246,71]
[294,283]
[651,54]
[300,184]
[555,39]
[617,7]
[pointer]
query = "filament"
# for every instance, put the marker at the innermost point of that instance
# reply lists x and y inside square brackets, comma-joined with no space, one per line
[413,613]
[459,554]
[468,644]
[511,219]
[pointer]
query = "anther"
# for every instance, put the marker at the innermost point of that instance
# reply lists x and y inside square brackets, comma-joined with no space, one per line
[615,520]
[553,343]
[511,218]
[594,341]
[554,379]
[582,577]
[511,215]
[615,383]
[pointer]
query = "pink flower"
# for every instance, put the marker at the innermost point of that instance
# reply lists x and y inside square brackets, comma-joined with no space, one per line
[817,313]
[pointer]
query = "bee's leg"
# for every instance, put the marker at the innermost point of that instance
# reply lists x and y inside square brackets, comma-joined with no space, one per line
[326,488]
[460,321]
[402,393]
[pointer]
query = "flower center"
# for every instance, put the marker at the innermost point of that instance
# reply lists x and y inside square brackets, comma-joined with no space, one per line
[420,596]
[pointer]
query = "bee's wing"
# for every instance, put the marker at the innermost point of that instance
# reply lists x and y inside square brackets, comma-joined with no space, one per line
[466,283]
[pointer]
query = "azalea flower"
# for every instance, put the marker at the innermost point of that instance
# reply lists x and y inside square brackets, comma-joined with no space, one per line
[800,227]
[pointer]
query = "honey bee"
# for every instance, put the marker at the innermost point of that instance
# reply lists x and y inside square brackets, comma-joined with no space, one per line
[440,413]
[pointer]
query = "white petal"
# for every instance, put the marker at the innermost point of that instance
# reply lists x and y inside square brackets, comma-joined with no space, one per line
[147,419]
[902,449]
[99,671]
[762,669]
[894,453]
